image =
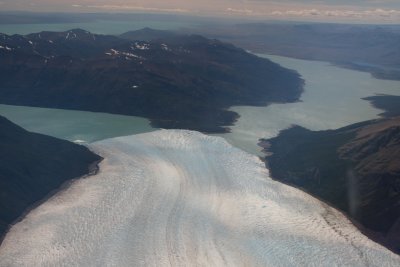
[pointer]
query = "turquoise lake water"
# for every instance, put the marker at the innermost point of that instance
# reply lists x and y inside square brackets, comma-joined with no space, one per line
[76,126]
[332,98]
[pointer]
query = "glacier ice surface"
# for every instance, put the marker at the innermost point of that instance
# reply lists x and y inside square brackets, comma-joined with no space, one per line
[181,198]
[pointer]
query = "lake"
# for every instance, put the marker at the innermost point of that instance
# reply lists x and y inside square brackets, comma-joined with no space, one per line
[73,125]
[332,99]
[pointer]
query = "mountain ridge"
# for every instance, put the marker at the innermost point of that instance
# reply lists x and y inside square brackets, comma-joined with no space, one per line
[184,81]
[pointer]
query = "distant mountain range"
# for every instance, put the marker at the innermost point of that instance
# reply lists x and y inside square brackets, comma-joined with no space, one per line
[355,168]
[370,48]
[32,166]
[177,81]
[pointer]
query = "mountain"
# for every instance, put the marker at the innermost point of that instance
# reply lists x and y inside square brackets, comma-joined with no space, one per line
[355,168]
[32,166]
[183,81]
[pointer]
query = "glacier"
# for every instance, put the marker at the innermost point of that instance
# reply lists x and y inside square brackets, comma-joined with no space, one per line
[181,198]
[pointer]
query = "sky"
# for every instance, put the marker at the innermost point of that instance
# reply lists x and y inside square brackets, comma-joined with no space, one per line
[320,10]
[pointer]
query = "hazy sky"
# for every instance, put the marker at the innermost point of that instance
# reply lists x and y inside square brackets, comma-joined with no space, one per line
[339,10]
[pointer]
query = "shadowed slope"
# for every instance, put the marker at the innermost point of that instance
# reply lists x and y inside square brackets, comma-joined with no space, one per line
[33,165]
[355,168]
